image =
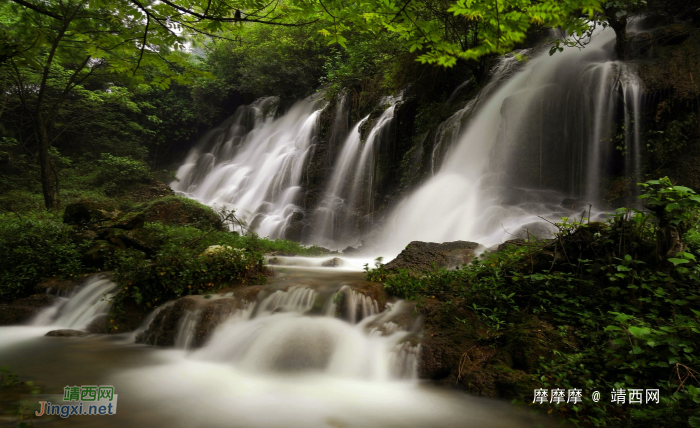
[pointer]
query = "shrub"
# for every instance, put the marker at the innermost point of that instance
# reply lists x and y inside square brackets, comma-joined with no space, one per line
[116,172]
[32,248]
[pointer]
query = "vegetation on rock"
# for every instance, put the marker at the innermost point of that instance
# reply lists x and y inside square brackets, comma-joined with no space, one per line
[617,303]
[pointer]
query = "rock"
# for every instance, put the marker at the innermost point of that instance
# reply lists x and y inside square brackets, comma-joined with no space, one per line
[574,204]
[349,250]
[174,210]
[518,242]
[334,262]
[424,256]
[458,350]
[295,226]
[88,212]
[22,310]
[98,325]
[67,333]
[128,221]
[153,190]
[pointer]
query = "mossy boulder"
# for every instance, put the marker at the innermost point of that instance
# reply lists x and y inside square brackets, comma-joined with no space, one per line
[179,211]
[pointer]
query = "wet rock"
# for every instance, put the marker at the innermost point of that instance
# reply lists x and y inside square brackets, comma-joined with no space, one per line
[22,310]
[67,333]
[213,314]
[425,256]
[334,262]
[349,250]
[163,329]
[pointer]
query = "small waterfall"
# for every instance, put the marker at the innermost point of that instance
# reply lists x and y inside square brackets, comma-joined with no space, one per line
[350,190]
[254,163]
[87,303]
[276,334]
[358,306]
[186,328]
[632,94]
[297,299]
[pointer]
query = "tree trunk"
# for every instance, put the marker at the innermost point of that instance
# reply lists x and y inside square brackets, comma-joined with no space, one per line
[47,172]
[619,24]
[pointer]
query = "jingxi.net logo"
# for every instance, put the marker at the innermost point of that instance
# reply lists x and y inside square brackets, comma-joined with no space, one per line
[80,400]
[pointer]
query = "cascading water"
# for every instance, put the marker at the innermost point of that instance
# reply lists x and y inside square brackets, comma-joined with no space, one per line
[87,303]
[350,190]
[254,163]
[542,136]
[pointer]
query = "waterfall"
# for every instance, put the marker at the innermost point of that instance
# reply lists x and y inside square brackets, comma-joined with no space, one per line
[542,135]
[350,190]
[254,163]
[86,303]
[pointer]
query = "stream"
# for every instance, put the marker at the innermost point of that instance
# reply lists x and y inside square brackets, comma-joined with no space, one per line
[289,358]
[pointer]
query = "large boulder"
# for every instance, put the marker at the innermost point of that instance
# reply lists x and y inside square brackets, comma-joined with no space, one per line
[179,211]
[22,310]
[425,256]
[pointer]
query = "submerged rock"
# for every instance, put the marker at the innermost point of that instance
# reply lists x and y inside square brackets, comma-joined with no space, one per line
[424,256]
[67,333]
[21,310]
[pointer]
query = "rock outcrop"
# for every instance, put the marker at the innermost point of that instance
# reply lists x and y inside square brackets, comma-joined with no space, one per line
[425,256]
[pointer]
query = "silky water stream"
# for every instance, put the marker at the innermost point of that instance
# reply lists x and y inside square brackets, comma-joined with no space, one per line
[314,347]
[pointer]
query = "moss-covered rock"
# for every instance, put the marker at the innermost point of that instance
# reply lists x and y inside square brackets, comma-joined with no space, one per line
[175,210]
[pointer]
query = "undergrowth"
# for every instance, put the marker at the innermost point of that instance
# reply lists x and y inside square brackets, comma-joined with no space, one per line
[632,310]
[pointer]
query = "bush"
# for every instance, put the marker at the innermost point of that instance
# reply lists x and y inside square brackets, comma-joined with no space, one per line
[33,248]
[117,172]
[179,270]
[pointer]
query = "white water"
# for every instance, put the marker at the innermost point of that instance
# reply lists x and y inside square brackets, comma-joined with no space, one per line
[542,136]
[254,163]
[85,304]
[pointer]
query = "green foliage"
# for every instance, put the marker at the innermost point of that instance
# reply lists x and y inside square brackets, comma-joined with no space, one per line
[176,271]
[119,173]
[666,141]
[269,60]
[32,248]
